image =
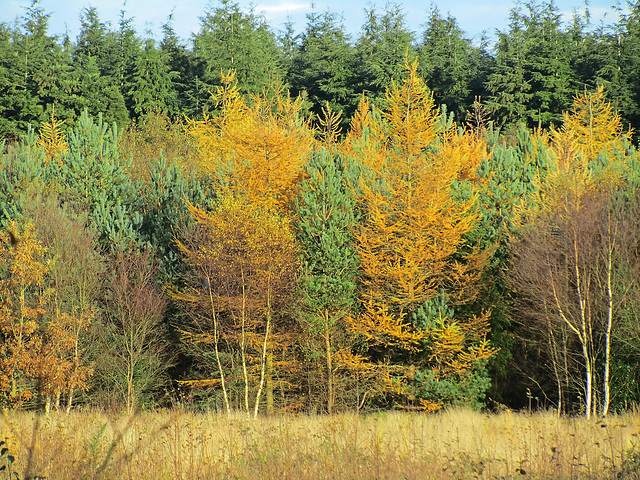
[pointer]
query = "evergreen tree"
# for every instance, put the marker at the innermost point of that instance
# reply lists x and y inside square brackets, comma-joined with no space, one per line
[165,210]
[35,74]
[621,62]
[152,89]
[179,64]
[384,45]
[93,177]
[127,52]
[322,69]
[94,60]
[326,222]
[230,39]
[533,81]
[452,67]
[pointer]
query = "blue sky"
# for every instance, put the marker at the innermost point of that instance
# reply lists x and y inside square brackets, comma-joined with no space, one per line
[474,17]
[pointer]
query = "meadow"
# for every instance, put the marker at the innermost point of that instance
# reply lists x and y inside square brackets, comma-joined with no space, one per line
[452,444]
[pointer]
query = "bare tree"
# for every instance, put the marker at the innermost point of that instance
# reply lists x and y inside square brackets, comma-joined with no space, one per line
[567,277]
[136,358]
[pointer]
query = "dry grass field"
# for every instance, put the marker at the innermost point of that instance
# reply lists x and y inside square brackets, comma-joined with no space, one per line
[454,444]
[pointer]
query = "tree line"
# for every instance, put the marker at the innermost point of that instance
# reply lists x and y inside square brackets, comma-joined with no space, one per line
[263,256]
[528,76]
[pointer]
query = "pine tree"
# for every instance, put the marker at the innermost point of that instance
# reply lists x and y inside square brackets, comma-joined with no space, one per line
[93,177]
[325,229]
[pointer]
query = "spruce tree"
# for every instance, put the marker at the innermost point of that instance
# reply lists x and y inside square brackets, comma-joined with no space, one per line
[322,70]
[452,66]
[230,39]
[533,81]
[384,44]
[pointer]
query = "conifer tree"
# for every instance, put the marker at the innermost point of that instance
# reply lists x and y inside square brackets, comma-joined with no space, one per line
[533,80]
[323,68]
[325,229]
[384,44]
[452,67]
[256,151]
[411,233]
[230,39]
[152,88]
[93,177]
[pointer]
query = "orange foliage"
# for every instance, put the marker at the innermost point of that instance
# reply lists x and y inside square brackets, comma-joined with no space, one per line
[247,256]
[40,342]
[256,151]
[24,301]
[414,229]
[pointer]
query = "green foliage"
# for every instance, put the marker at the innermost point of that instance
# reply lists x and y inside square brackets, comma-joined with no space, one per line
[165,198]
[466,390]
[93,177]
[23,172]
[6,462]
[326,219]
[152,84]
[533,80]
[34,74]
[230,39]
[452,66]
[619,55]
[322,69]
[384,45]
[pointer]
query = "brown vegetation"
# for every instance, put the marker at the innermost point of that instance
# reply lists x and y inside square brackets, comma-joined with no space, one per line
[453,444]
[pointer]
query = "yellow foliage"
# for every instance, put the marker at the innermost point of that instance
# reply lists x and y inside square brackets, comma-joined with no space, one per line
[457,346]
[329,127]
[413,224]
[586,152]
[247,255]
[23,304]
[52,138]
[593,125]
[411,116]
[255,151]
[410,240]
[379,327]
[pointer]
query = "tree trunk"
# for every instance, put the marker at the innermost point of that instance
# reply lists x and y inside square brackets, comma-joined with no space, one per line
[327,339]
[269,385]
[214,317]
[607,338]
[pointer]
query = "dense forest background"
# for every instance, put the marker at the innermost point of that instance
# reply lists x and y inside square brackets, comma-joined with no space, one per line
[266,221]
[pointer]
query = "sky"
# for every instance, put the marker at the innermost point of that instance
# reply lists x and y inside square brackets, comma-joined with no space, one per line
[474,17]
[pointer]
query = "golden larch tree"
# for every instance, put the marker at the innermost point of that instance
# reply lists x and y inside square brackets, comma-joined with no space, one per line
[244,259]
[255,149]
[410,241]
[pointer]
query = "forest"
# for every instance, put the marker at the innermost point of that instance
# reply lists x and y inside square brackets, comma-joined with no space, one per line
[263,221]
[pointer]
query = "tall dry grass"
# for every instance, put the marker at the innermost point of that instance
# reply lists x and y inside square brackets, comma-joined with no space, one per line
[455,444]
